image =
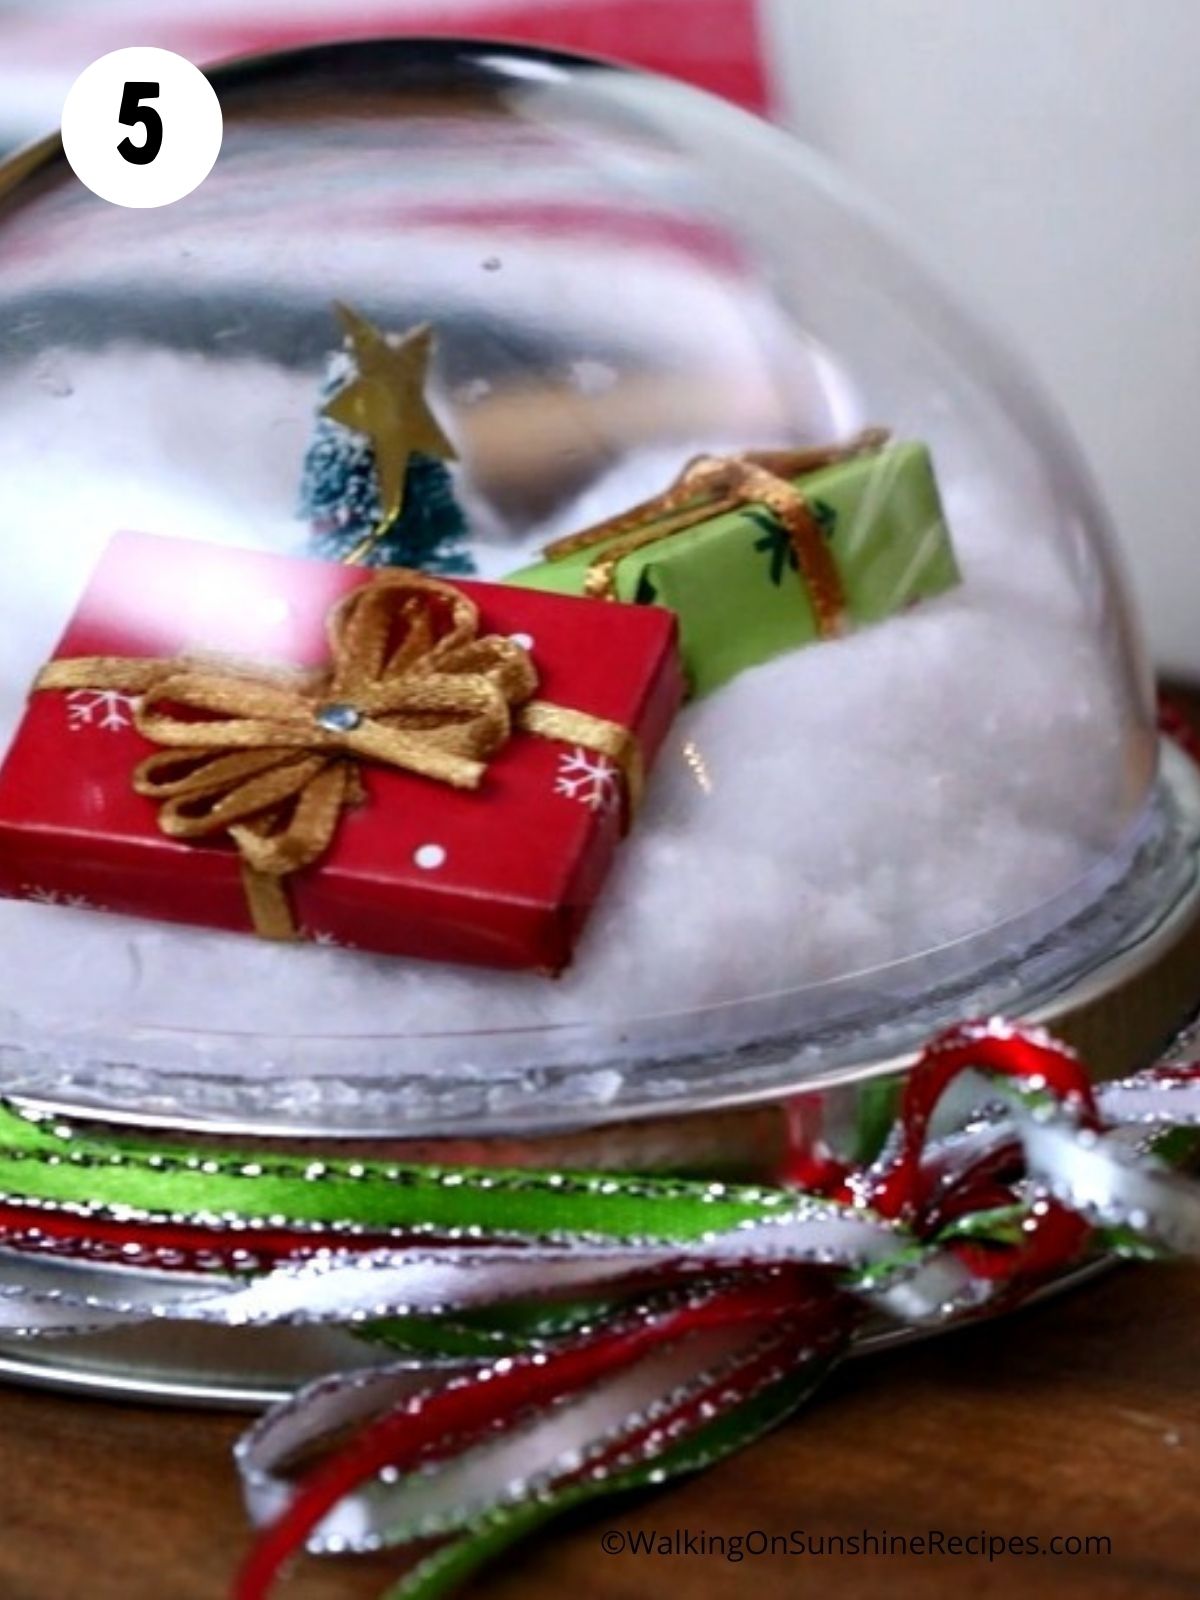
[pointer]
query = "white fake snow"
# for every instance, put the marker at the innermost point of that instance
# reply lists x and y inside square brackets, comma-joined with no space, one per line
[863,801]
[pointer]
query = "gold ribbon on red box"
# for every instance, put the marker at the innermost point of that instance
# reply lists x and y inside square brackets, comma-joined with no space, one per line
[272,756]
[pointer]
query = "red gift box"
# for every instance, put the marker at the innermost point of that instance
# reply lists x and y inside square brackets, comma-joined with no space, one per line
[503,875]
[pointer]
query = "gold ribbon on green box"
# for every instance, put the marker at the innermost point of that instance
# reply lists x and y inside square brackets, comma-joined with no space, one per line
[768,551]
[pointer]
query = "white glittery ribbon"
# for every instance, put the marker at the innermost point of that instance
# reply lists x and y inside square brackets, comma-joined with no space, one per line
[346,1287]
[580,1437]
[1109,1178]
[1102,1176]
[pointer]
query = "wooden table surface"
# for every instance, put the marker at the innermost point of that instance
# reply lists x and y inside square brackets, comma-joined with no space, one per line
[1074,1418]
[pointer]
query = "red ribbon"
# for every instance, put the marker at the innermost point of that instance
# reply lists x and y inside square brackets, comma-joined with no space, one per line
[789,1307]
[905,1189]
[1053,1236]
[409,1437]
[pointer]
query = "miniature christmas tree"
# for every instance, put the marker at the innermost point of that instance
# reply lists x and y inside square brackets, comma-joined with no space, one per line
[376,490]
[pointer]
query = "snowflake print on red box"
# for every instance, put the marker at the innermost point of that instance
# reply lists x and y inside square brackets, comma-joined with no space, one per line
[106,709]
[589,778]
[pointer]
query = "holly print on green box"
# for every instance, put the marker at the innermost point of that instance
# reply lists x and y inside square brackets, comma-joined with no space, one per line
[734,578]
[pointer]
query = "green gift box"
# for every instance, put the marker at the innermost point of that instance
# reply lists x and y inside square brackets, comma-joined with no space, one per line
[734,577]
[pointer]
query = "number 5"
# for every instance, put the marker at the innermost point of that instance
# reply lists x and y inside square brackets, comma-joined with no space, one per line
[133,114]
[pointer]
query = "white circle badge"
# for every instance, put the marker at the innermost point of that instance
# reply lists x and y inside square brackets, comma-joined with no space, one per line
[142,127]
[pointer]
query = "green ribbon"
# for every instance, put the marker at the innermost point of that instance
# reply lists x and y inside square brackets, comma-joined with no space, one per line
[132,1178]
[50,1161]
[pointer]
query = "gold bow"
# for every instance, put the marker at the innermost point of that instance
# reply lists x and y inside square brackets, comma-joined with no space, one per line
[272,756]
[712,485]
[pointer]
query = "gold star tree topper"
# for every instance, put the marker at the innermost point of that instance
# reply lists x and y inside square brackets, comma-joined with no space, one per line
[385,400]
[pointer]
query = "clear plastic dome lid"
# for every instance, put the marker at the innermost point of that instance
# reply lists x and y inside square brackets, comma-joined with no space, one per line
[842,588]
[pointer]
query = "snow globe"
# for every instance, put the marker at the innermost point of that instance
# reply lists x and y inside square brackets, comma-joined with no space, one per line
[531,625]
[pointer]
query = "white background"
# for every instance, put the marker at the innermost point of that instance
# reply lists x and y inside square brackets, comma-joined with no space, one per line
[1047,154]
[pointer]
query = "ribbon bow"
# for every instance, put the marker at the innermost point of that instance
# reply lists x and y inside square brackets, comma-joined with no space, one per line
[567,1335]
[272,756]
[708,487]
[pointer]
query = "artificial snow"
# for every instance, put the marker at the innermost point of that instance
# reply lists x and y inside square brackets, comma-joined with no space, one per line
[838,809]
